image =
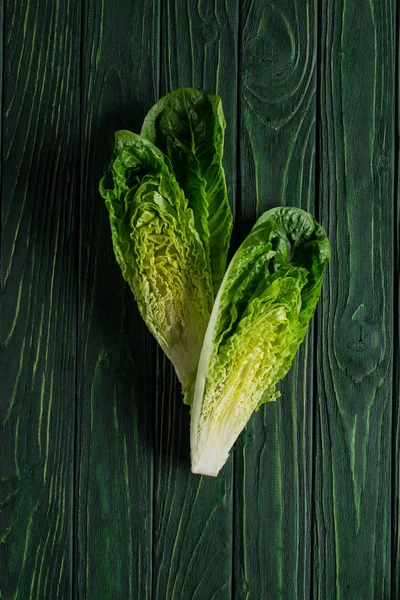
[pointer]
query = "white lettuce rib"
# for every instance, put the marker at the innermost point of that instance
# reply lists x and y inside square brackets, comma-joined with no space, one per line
[210,460]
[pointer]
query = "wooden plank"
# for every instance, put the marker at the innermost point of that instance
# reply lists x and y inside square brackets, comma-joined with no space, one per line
[277,167]
[354,430]
[116,391]
[193,515]
[40,150]
[396,344]
[396,424]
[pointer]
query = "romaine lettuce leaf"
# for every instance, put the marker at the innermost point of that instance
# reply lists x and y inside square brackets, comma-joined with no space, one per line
[259,319]
[158,248]
[188,126]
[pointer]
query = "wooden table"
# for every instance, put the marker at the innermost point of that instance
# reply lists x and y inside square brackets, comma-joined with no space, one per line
[96,496]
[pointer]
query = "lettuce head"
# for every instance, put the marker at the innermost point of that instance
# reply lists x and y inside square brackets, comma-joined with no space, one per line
[259,319]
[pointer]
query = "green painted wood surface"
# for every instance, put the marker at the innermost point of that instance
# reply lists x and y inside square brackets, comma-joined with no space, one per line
[115,444]
[39,235]
[96,496]
[193,515]
[277,166]
[353,523]
[396,344]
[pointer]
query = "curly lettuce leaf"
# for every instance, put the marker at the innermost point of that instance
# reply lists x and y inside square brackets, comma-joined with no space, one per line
[158,248]
[259,319]
[188,126]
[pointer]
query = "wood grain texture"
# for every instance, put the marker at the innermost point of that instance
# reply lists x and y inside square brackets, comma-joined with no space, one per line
[395,575]
[40,116]
[114,499]
[352,535]
[277,166]
[96,495]
[395,554]
[193,515]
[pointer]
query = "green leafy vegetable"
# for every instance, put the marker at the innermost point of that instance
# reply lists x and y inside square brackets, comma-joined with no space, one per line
[188,126]
[158,248]
[171,224]
[260,317]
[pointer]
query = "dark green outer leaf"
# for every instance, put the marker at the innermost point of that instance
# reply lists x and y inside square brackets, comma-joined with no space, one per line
[188,125]
[259,319]
[158,248]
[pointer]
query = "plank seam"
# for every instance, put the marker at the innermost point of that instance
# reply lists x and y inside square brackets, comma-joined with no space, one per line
[155,353]
[3,44]
[317,192]
[237,207]
[394,575]
[78,267]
